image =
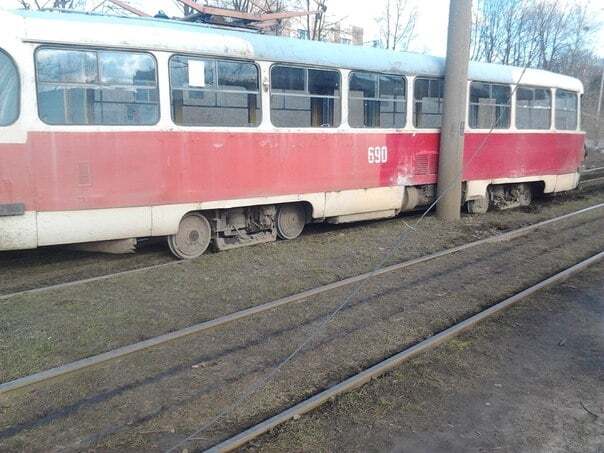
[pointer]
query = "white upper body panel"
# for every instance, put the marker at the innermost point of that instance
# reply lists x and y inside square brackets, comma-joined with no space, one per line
[173,36]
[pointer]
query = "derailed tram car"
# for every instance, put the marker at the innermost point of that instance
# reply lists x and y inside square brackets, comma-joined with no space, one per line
[114,128]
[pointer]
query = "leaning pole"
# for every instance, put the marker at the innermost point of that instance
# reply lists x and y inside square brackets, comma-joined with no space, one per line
[454,110]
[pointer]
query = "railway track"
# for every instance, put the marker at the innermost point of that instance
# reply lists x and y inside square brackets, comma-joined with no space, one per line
[396,360]
[121,352]
[83,281]
[496,248]
[592,172]
[590,178]
[592,182]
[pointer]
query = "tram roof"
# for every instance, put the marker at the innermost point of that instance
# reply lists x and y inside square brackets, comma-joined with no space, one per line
[170,35]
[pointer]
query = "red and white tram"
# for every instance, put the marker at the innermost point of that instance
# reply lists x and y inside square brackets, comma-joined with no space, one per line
[115,128]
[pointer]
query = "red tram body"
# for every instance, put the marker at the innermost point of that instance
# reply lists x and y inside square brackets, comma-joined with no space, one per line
[68,176]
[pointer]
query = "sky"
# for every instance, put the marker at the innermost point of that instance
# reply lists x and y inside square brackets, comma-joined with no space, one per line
[431,28]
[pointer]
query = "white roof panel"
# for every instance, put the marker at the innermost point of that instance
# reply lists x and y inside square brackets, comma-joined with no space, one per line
[174,36]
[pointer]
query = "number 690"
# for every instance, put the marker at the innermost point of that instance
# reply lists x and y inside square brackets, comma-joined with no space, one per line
[377,155]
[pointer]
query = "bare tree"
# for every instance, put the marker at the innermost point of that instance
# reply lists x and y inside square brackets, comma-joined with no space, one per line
[397,24]
[273,6]
[68,4]
[316,24]
[542,34]
[270,6]
[252,6]
[65,4]
[502,32]
[186,9]
[535,33]
[240,5]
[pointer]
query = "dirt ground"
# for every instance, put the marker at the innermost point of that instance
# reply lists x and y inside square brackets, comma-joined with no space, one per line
[528,380]
[150,401]
[48,329]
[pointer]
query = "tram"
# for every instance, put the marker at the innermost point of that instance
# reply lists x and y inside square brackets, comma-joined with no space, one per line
[114,128]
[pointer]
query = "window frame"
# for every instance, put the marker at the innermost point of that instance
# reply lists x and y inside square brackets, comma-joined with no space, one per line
[494,128]
[96,85]
[414,102]
[216,60]
[577,110]
[19,86]
[307,94]
[551,108]
[405,100]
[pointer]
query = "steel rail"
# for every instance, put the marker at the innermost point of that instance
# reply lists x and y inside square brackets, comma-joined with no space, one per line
[380,368]
[89,280]
[99,359]
[590,181]
[592,170]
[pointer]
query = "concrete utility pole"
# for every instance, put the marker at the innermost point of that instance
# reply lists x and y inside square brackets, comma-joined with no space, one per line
[454,110]
[599,110]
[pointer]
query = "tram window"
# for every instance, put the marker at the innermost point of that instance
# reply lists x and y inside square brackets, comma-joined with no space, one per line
[207,92]
[428,94]
[284,79]
[9,90]
[67,66]
[533,108]
[376,101]
[97,87]
[303,97]
[490,106]
[566,110]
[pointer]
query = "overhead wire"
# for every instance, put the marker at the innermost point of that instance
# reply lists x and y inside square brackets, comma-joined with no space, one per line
[262,382]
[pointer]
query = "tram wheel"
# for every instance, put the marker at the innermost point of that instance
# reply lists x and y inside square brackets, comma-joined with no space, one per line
[291,219]
[479,206]
[193,237]
[525,195]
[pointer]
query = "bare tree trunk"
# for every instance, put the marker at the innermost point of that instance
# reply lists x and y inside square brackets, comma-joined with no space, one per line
[530,32]
[387,39]
[599,110]
[397,24]
[316,22]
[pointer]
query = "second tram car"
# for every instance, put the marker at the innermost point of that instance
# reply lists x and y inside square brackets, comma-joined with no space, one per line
[115,128]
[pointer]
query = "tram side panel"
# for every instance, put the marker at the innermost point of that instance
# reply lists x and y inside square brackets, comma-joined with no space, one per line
[102,185]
